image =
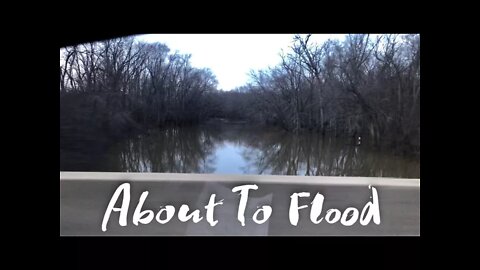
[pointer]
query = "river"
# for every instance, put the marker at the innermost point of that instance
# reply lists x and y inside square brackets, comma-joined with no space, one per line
[241,149]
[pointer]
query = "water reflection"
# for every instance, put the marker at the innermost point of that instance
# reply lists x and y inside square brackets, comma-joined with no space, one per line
[240,150]
[176,150]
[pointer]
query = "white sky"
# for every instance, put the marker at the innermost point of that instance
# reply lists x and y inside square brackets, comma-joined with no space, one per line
[231,56]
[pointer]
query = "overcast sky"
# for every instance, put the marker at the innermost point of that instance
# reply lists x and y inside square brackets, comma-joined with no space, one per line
[232,56]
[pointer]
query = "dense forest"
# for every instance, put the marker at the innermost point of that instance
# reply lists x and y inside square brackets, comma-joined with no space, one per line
[361,86]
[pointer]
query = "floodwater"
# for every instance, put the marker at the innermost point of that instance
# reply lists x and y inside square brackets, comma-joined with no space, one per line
[242,149]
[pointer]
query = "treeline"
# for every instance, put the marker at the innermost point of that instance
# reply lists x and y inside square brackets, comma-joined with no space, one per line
[362,86]
[117,88]
[119,83]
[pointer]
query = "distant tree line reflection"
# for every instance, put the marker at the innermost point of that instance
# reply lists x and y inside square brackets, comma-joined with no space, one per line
[265,151]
